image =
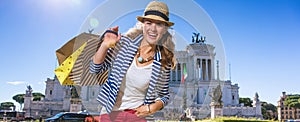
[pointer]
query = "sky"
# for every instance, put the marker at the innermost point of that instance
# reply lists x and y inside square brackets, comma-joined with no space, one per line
[260,39]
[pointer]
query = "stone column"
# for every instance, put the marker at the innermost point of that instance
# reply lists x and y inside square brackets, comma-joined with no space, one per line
[257,105]
[201,70]
[209,69]
[28,98]
[196,70]
[206,69]
[216,110]
[75,105]
[176,72]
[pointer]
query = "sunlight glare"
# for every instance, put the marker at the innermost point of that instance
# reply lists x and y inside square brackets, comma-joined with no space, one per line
[60,3]
[94,22]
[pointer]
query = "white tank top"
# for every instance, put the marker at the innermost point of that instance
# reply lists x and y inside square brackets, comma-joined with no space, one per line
[134,87]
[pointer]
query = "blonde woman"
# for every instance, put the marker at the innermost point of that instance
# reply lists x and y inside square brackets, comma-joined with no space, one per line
[139,63]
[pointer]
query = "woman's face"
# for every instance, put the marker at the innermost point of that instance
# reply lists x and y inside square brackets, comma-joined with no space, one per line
[153,30]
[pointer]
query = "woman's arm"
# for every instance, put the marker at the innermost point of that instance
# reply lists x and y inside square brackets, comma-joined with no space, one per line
[105,53]
[109,41]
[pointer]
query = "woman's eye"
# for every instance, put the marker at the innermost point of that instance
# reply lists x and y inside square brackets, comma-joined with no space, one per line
[160,24]
[148,23]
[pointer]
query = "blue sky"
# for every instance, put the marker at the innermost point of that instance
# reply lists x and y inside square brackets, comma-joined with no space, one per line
[260,38]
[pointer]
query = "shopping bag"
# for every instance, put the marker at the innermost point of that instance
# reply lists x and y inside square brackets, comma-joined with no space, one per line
[74,65]
[63,71]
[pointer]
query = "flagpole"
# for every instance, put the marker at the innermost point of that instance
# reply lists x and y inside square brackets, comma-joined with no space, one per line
[184,97]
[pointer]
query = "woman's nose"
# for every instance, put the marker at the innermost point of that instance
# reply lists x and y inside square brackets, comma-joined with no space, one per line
[153,27]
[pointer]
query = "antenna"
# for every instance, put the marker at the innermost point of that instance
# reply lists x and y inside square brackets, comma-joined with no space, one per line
[218,76]
[55,65]
[229,71]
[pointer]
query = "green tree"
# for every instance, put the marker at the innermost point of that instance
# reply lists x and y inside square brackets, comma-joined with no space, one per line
[37,96]
[293,101]
[267,107]
[6,105]
[246,101]
[19,98]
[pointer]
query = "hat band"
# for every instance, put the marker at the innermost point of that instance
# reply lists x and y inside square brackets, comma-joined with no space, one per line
[157,13]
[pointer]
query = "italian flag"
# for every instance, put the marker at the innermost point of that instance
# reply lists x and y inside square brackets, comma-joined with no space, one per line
[184,74]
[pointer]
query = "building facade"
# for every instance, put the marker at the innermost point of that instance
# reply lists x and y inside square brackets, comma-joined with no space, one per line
[284,112]
[57,99]
[194,92]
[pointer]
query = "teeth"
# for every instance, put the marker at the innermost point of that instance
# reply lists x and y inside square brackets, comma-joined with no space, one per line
[152,34]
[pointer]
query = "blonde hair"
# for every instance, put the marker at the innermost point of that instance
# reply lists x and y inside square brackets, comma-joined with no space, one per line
[165,44]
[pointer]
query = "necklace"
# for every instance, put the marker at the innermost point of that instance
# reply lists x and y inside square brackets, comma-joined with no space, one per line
[141,59]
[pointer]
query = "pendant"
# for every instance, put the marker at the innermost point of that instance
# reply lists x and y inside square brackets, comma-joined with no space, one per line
[140,59]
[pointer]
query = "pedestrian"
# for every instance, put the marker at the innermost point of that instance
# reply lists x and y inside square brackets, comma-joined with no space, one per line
[139,64]
[40,119]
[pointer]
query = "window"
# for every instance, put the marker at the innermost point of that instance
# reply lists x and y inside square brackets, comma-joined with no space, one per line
[232,97]
[50,92]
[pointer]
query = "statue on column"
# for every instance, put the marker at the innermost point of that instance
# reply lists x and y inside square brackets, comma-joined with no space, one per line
[216,103]
[217,95]
[28,91]
[74,93]
[75,101]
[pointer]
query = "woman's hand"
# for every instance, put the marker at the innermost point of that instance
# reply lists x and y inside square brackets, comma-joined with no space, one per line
[110,39]
[143,111]
[146,110]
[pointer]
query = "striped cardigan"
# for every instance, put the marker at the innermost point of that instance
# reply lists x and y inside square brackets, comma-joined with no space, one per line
[117,61]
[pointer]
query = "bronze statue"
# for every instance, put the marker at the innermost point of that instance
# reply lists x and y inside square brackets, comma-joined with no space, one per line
[74,93]
[217,94]
[196,39]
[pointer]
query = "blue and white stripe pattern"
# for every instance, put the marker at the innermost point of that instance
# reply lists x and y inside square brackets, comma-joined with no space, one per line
[118,61]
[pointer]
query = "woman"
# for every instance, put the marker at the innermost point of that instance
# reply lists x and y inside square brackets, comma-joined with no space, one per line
[139,64]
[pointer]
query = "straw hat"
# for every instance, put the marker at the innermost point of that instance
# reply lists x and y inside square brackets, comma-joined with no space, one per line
[157,11]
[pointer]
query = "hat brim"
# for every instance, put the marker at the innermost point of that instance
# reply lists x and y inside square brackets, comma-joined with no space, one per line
[154,17]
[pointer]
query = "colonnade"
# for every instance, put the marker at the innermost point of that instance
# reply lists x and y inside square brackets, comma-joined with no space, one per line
[201,69]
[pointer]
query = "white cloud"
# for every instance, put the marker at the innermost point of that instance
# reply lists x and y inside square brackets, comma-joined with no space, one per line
[41,83]
[16,82]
